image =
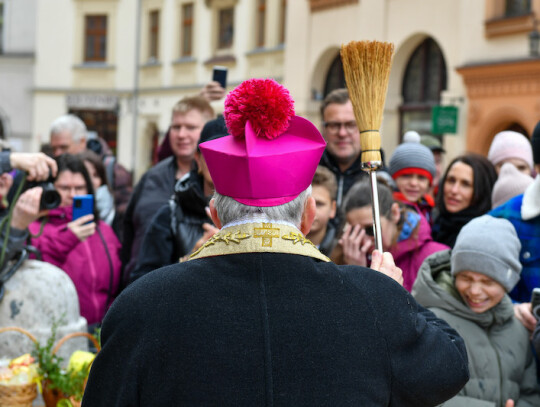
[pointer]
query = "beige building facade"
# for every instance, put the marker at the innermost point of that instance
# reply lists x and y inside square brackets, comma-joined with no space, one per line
[122,64]
[125,87]
[17,59]
[479,53]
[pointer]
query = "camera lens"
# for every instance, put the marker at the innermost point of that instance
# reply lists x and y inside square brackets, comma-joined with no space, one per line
[50,198]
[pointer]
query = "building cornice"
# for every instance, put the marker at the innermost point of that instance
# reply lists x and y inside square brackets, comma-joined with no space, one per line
[317,5]
[129,92]
[18,55]
[518,77]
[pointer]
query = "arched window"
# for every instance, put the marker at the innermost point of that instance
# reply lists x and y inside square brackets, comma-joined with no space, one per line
[518,128]
[425,78]
[335,78]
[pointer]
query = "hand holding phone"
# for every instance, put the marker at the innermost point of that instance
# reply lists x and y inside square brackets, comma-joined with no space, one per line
[83,227]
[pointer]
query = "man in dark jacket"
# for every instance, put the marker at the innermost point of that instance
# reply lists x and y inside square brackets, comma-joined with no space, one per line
[342,154]
[183,221]
[258,316]
[157,185]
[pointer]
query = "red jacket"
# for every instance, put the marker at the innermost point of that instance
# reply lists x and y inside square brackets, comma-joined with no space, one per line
[86,263]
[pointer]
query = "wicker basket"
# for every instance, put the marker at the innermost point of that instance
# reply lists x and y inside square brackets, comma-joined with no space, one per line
[21,395]
[52,396]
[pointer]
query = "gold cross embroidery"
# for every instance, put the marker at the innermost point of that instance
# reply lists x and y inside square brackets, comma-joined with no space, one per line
[267,233]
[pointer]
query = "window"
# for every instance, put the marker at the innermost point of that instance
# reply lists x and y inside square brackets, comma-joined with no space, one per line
[425,79]
[103,122]
[1,28]
[153,51]
[283,21]
[514,8]
[95,39]
[226,28]
[336,77]
[261,16]
[187,30]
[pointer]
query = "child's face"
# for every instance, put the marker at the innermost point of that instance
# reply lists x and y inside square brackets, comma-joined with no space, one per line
[413,186]
[479,291]
[325,208]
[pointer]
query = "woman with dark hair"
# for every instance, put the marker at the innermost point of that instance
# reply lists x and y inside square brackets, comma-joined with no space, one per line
[405,233]
[86,248]
[103,196]
[464,194]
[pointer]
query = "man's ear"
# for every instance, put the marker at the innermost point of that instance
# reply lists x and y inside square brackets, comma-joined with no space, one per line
[333,210]
[308,215]
[197,158]
[214,215]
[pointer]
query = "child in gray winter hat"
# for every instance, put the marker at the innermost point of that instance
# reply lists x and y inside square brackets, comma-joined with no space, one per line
[488,246]
[485,266]
[413,169]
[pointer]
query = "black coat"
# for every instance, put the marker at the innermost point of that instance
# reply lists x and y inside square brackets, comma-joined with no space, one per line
[152,192]
[273,329]
[344,179]
[176,227]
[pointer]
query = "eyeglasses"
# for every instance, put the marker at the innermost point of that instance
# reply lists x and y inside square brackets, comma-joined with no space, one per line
[334,127]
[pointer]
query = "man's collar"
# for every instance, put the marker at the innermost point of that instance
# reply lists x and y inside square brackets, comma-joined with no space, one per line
[259,237]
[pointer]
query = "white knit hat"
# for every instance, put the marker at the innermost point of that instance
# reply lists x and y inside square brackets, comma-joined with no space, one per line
[511,183]
[510,144]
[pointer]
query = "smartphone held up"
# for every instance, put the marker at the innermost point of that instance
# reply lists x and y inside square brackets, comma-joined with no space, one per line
[83,205]
[219,74]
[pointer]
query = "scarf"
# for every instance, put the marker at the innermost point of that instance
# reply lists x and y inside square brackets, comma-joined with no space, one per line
[447,225]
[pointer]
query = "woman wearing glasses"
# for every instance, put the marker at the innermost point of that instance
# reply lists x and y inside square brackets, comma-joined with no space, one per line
[405,233]
[87,249]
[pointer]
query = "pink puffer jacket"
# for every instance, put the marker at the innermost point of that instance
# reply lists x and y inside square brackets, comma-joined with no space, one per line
[91,264]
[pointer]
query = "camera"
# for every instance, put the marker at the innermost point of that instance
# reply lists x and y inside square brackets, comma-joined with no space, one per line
[50,198]
[535,301]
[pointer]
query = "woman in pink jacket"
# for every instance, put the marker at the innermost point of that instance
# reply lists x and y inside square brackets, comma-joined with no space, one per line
[86,248]
[405,233]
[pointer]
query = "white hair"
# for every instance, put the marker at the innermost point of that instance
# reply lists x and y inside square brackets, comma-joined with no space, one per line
[71,124]
[229,210]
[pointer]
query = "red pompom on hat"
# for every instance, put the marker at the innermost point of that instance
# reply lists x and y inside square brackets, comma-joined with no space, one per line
[272,155]
[266,104]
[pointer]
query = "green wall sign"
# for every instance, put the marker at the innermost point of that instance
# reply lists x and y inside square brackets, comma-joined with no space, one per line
[444,119]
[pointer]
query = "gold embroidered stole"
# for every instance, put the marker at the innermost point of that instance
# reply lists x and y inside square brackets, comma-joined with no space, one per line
[259,238]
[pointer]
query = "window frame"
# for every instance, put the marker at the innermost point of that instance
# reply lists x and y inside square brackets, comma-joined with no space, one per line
[186,48]
[2,26]
[224,43]
[153,34]
[261,23]
[423,105]
[99,34]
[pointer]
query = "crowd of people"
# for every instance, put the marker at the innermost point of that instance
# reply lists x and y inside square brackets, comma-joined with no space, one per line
[465,236]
